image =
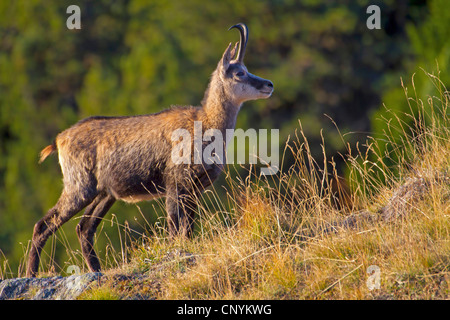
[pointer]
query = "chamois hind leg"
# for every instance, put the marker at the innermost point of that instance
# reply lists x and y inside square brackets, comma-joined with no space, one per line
[87,227]
[181,207]
[69,204]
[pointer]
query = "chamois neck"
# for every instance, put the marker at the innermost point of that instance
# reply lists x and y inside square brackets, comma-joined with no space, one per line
[219,109]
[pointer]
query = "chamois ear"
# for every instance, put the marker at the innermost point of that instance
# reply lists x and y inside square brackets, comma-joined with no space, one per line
[228,55]
[234,51]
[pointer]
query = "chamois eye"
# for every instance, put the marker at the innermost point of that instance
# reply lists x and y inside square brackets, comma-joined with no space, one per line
[240,74]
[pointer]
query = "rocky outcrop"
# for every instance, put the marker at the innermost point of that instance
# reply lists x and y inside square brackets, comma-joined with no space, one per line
[403,200]
[135,286]
[409,193]
[53,288]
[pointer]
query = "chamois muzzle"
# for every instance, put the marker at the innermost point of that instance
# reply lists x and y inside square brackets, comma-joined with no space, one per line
[243,30]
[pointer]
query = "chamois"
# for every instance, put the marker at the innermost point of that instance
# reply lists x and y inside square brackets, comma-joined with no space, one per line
[104,159]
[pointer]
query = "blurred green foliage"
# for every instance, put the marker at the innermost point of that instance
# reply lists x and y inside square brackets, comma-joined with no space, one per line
[429,53]
[138,57]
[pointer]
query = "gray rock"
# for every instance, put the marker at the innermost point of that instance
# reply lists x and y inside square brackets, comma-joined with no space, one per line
[409,193]
[54,288]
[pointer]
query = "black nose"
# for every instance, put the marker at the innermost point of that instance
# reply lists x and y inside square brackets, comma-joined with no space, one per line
[270,84]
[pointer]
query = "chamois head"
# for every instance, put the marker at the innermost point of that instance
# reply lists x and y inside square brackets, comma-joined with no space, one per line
[237,82]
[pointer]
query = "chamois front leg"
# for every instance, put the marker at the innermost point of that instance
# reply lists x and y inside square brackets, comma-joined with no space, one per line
[181,207]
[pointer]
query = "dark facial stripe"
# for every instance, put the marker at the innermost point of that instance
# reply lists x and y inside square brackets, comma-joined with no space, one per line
[256,82]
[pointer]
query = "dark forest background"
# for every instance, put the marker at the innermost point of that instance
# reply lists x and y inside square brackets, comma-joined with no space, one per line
[137,57]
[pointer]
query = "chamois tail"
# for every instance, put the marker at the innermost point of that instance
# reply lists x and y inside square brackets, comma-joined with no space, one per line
[48,150]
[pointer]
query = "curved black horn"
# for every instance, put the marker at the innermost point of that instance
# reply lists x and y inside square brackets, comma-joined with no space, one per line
[243,30]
